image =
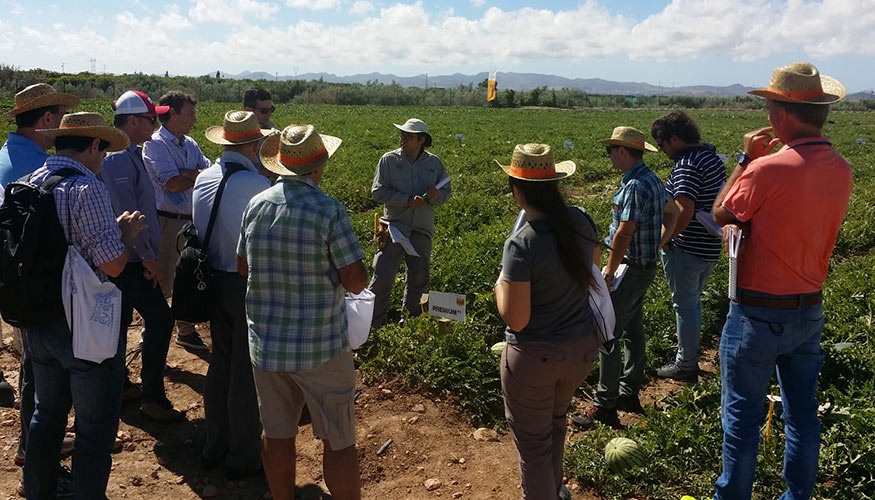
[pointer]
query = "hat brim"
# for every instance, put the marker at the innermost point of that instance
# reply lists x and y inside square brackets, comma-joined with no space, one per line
[647,148]
[411,131]
[833,92]
[117,139]
[269,151]
[564,169]
[54,99]
[215,135]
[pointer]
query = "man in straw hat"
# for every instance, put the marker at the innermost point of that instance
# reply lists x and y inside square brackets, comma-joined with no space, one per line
[174,161]
[789,206]
[406,183]
[131,189]
[230,403]
[695,179]
[36,107]
[295,308]
[104,240]
[643,218]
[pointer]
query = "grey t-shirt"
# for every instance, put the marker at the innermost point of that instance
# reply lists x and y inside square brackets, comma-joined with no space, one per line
[560,307]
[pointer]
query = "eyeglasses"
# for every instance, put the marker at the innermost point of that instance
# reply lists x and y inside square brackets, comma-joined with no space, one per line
[152,119]
[408,135]
[266,111]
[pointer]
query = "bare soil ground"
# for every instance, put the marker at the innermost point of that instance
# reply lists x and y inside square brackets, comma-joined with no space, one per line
[431,439]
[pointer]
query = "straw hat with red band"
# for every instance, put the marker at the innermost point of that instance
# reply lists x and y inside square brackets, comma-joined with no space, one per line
[629,137]
[39,95]
[297,150]
[802,83]
[89,125]
[534,162]
[240,127]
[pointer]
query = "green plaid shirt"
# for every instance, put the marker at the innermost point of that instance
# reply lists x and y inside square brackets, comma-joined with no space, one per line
[295,238]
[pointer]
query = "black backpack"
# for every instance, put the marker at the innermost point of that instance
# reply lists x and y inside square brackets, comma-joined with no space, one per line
[32,252]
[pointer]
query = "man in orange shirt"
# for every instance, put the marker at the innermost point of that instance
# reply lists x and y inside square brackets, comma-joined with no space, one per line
[777,319]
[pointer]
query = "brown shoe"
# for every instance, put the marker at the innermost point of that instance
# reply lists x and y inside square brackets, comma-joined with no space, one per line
[161,413]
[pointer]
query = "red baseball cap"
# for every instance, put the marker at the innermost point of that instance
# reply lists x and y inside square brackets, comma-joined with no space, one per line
[135,102]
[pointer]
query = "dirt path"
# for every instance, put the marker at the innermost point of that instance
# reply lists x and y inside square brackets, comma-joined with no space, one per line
[431,439]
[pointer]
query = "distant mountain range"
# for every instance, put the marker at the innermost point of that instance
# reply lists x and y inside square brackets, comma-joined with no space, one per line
[521,81]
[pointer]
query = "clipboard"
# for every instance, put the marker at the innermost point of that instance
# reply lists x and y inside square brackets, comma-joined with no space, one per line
[732,247]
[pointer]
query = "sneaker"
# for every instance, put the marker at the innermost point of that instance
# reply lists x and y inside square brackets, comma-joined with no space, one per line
[672,371]
[595,414]
[64,487]
[7,393]
[630,403]
[564,494]
[192,341]
[164,413]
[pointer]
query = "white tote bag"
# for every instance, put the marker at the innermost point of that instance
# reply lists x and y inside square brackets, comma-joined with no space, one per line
[602,311]
[359,312]
[93,310]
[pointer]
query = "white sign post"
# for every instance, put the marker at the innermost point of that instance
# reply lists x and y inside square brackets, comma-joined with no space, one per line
[447,305]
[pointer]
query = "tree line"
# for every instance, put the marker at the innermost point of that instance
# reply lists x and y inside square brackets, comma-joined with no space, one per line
[215,88]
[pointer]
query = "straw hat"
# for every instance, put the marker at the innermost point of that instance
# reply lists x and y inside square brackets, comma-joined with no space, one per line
[240,127]
[89,125]
[40,95]
[802,83]
[534,162]
[297,150]
[629,137]
[415,126]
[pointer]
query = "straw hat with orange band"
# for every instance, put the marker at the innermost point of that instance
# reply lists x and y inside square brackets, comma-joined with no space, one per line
[85,124]
[534,162]
[240,127]
[297,150]
[629,137]
[801,83]
[39,95]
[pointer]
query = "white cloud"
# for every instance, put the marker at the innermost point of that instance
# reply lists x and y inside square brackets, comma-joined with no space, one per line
[313,4]
[361,7]
[478,3]
[231,11]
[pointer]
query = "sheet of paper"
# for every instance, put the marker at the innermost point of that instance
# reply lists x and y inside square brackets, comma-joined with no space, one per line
[399,238]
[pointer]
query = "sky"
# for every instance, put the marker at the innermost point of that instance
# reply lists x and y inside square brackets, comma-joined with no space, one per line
[661,42]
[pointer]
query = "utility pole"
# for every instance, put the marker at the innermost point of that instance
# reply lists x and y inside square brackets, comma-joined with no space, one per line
[62,67]
[93,62]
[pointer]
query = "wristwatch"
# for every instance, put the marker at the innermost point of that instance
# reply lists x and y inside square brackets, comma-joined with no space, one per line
[743,159]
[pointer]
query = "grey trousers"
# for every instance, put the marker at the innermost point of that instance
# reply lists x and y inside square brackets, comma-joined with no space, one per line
[230,401]
[538,380]
[616,376]
[386,262]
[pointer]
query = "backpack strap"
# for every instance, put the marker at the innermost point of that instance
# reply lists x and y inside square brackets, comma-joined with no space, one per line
[230,169]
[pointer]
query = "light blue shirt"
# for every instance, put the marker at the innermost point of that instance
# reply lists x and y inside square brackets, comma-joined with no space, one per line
[240,188]
[165,156]
[130,189]
[19,156]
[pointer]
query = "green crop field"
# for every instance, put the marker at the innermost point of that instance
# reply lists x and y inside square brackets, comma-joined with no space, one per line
[683,438]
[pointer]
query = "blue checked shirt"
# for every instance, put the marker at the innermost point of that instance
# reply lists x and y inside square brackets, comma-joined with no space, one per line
[641,198]
[295,238]
[85,212]
[164,156]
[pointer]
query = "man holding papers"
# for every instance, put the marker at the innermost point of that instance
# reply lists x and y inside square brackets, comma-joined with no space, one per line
[791,205]
[642,220]
[410,182]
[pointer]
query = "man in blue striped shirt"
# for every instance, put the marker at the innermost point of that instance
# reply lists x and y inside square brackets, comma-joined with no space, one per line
[694,182]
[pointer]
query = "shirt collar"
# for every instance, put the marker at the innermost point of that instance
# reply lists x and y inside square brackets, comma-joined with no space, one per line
[168,136]
[55,163]
[235,157]
[299,179]
[803,140]
[21,140]
[635,171]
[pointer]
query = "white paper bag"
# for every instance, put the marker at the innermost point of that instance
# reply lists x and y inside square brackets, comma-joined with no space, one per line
[359,312]
[602,311]
[93,310]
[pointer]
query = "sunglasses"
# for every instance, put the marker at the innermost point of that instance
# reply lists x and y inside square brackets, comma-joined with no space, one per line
[266,111]
[152,119]
[608,149]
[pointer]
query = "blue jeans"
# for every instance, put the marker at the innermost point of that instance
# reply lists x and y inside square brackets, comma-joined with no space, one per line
[618,377]
[138,293]
[687,276]
[756,341]
[93,389]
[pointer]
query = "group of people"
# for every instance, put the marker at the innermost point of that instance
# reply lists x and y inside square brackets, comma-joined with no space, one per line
[775,321]
[283,254]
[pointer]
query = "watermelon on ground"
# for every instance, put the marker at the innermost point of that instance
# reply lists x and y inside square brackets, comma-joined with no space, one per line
[622,454]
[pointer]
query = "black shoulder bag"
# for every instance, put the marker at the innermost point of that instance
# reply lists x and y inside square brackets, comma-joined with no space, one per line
[193,285]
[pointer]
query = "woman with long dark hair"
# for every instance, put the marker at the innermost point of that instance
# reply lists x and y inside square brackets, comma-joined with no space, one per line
[542,295]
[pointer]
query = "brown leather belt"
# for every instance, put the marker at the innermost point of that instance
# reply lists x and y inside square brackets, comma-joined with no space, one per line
[780,303]
[171,215]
